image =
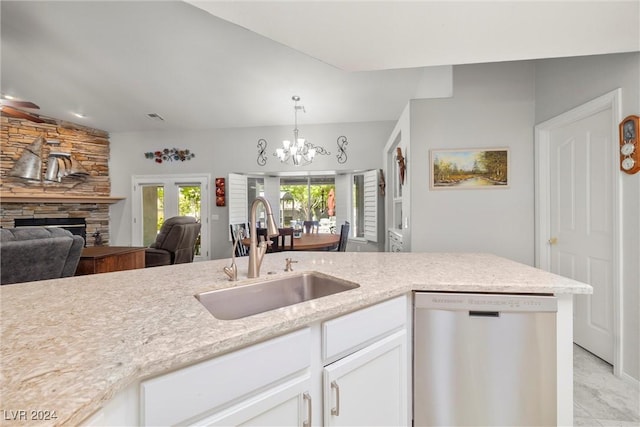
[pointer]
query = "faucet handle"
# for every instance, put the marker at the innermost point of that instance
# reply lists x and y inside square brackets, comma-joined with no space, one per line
[289,261]
[231,271]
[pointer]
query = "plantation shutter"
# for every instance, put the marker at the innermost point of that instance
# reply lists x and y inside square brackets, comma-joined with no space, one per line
[237,198]
[371,205]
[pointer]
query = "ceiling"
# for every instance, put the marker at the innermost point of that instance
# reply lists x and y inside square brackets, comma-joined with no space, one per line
[349,61]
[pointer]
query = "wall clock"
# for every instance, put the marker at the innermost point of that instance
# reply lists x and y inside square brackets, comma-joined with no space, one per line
[630,145]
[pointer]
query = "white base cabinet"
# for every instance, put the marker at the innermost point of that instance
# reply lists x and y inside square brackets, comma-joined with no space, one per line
[287,381]
[368,387]
[395,240]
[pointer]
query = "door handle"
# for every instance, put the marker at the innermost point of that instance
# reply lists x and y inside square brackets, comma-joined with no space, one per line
[307,398]
[336,410]
[552,241]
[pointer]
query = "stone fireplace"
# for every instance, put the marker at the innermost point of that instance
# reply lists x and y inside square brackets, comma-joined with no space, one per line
[88,197]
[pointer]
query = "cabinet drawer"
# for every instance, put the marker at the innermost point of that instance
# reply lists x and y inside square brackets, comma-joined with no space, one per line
[193,391]
[353,331]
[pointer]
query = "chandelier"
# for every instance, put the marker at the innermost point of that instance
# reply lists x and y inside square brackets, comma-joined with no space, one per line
[300,151]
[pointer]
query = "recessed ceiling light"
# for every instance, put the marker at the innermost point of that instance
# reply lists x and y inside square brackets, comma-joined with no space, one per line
[79,115]
[5,96]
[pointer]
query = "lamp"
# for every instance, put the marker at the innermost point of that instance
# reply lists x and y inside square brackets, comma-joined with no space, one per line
[299,151]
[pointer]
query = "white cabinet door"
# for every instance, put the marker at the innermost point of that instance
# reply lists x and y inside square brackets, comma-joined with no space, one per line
[368,387]
[288,404]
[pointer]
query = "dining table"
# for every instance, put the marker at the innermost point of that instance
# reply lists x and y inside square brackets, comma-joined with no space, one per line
[309,241]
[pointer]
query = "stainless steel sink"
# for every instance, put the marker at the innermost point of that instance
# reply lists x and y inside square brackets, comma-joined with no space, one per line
[246,300]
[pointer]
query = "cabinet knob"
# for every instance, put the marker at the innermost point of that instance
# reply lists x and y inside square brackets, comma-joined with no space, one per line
[552,241]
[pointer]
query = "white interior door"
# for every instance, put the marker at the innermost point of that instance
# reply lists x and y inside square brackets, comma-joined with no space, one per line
[582,223]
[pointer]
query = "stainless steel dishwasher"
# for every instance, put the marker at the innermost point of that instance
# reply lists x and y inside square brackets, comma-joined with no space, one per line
[484,360]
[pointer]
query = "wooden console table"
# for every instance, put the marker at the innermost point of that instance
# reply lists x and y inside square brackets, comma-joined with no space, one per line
[105,259]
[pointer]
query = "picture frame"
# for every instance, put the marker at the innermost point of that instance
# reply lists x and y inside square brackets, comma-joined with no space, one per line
[469,169]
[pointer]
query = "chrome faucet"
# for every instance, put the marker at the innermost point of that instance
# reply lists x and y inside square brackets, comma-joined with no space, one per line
[257,250]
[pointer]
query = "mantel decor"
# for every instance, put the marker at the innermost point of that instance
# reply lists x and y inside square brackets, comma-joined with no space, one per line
[58,166]
[170,155]
[470,168]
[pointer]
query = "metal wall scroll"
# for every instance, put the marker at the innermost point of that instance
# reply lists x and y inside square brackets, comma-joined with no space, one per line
[262,149]
[342,149]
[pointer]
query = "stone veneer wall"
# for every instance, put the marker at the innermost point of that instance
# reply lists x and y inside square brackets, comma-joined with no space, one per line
[88,146]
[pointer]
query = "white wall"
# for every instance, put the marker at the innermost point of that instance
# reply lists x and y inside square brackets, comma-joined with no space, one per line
[221,151]
[562,84]
[492,106]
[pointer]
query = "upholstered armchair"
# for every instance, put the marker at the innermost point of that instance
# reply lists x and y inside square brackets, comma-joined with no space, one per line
[175,243]
[38,253]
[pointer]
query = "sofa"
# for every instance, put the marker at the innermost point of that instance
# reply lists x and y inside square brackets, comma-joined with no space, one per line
[175,242]
[38,253]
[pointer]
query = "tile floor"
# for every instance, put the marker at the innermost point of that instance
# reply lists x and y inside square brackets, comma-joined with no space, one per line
[600,398]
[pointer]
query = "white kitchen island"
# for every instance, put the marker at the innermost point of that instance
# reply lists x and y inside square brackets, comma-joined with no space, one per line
[80,347]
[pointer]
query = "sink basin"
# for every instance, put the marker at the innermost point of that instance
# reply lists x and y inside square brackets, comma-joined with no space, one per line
[243,301]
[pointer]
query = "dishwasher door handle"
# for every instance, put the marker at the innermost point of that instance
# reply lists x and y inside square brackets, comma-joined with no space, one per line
[475,313]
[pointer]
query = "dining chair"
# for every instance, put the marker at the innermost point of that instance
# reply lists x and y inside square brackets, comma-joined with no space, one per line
[283,233]
[241,250]
[311,226]
[344,236]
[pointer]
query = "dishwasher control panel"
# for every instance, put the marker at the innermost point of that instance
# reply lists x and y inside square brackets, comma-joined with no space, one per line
[485,302]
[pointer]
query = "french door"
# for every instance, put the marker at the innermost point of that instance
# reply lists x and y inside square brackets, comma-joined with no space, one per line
[159,197]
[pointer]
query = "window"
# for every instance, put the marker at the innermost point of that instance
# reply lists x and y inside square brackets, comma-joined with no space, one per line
[255,188]
[308,198]
[330,199]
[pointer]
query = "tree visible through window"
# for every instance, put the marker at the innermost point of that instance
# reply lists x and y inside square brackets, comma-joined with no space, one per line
[308,199]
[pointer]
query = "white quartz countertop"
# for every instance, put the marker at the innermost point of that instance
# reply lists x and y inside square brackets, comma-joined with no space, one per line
[69,345]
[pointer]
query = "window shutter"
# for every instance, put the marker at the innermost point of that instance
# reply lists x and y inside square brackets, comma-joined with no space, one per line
[237,198]
[371,205]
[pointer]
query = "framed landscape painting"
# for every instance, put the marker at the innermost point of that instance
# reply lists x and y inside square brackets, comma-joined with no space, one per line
[470,168]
